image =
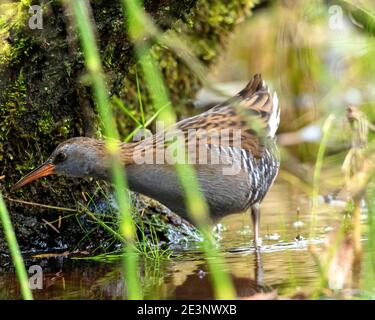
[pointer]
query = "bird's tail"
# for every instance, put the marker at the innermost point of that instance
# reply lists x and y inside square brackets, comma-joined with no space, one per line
[257,97]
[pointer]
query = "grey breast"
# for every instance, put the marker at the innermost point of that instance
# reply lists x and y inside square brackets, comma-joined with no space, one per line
[224,194]
[225,191]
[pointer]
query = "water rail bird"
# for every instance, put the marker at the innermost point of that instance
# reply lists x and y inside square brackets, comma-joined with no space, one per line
[249,120]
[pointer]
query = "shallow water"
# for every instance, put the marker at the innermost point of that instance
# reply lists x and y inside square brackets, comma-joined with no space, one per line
[285,263]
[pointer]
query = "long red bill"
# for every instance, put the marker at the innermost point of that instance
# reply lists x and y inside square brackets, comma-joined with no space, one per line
[44,170]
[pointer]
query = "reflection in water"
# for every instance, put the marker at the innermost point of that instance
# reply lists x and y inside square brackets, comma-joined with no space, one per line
[198,285]
[259,277]
[66,279]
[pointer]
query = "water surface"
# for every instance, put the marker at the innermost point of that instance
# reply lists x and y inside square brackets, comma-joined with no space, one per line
[284,265]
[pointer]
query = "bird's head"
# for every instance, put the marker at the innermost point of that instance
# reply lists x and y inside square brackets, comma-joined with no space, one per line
[76,157]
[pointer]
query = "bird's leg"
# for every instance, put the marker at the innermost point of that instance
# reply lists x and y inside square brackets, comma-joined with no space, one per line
[255,217]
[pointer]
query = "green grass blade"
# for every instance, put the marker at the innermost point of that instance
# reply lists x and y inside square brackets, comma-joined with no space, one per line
[15,251]
[195,201]
[81,11]
[125,110]
[140,98]
[317,171]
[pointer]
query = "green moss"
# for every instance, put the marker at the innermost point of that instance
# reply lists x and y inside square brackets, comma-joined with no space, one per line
[46,123]
[8,14]
[13,96]
[65,128]
[12,17]
[13,107]
[109,56]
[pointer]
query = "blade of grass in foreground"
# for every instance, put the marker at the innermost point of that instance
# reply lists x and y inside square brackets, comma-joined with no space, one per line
[317,171]
[15,251]
[196,204]
[368,278]
[371,242]
[81,11]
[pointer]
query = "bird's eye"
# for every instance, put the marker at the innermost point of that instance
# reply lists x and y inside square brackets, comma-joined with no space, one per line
[60,157]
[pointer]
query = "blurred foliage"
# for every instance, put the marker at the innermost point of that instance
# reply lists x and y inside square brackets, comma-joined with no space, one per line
[318,58]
